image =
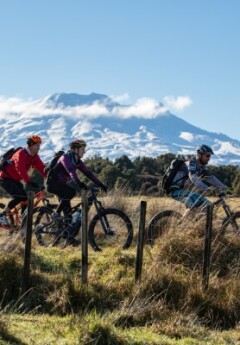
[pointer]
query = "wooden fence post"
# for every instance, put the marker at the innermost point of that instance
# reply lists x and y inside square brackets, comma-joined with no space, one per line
[84,238]
[140,241]
[207,247]
[28,242]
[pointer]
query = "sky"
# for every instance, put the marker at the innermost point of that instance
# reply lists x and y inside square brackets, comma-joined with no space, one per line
[184,54]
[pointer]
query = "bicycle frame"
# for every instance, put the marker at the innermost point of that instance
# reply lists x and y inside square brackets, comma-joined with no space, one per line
[225,206]
[17,212]
[92,200]
[229,214]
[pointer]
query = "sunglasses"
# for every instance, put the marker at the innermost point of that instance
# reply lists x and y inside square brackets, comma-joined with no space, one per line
[207,155]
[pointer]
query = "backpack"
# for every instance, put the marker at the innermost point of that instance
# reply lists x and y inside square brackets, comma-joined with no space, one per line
[53,162]
[5,158]
[170,173]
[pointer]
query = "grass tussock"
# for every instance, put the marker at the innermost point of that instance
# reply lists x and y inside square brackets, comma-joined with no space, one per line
[168,305]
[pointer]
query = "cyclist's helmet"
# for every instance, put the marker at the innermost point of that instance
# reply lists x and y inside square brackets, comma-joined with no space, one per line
[205,149]
[77,143]
[34,139]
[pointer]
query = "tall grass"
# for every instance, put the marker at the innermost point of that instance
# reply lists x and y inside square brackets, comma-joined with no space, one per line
[168,302]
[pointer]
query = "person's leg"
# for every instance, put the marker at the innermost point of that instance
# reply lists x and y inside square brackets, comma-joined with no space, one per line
[181,195]
[16,190]
[198,201]
[190,199]
[65,194]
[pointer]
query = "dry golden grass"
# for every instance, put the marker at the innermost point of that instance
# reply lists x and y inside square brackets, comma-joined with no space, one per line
[167,305]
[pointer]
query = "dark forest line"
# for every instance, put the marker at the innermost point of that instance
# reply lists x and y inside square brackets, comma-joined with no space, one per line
[143,175]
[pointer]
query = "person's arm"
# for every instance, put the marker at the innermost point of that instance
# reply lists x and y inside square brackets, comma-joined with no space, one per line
[214,181]
[69,167]
[39,166]
[87,172]
[19,160]
[194,173]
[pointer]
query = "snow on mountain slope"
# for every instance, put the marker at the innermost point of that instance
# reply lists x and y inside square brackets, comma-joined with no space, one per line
[110,129]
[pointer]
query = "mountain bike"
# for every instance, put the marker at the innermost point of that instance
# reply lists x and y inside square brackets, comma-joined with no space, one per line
[16,216]
[109,226]
[163,221]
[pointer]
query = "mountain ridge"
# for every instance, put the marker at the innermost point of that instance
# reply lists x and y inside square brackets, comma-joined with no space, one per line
[111,129]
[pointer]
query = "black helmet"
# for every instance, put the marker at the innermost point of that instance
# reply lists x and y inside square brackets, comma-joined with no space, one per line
[77,143]
[204,149]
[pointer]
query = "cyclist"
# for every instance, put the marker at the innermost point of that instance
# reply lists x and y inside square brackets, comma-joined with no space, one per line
[17,170]
[193,180]
[63,181]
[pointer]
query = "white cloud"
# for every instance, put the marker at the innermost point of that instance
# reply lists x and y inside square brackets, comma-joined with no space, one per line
[12,106]
[187,136]
[177,103]
[143,108]
[120,98]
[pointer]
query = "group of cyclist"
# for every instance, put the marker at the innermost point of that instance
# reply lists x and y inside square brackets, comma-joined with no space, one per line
[62,181]
[188,186]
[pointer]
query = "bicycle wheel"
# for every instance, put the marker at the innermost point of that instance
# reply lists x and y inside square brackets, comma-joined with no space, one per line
[23,229]
[47,230]
[161,223]
[112,228]
[6,230]
[231,225]
[10,228]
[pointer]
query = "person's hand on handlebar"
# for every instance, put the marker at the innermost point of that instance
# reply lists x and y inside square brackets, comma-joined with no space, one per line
[32,186]
[222,195]
[104,188]
[208,192]
[81,186]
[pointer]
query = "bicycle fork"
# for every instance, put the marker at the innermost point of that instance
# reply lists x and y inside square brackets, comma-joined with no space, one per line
[103,220]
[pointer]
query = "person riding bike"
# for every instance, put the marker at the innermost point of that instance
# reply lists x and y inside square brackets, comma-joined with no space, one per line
[17,170]
[193,180]
[63,181]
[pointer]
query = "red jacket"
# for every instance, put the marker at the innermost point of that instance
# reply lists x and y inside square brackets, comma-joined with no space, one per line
[22,163]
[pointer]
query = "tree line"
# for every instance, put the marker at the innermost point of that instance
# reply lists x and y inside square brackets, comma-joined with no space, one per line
[143,175]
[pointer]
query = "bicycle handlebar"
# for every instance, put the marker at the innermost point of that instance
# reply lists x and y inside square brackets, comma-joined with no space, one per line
[222,195]
[92,189]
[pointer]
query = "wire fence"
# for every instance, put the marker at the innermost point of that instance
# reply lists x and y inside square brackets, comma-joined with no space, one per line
[12,238]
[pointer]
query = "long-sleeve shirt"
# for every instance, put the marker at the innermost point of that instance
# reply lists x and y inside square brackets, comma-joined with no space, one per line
[193,174]
[20,164]
[200,177]
[66,170]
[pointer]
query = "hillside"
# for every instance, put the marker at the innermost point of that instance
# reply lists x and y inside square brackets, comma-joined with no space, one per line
[110,129]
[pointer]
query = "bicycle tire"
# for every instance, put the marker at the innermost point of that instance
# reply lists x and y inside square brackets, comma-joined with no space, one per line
[121,230]
[43,215]
[47,230]
[161,223]
[228,226]
[23,229]
[36,209]
[10,219]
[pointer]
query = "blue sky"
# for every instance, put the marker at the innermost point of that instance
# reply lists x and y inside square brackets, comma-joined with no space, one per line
[184,53]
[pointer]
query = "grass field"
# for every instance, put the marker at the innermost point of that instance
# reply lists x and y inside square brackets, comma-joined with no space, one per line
[168,305]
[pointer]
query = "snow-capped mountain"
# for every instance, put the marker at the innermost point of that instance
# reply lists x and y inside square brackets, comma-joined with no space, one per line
[110,129]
